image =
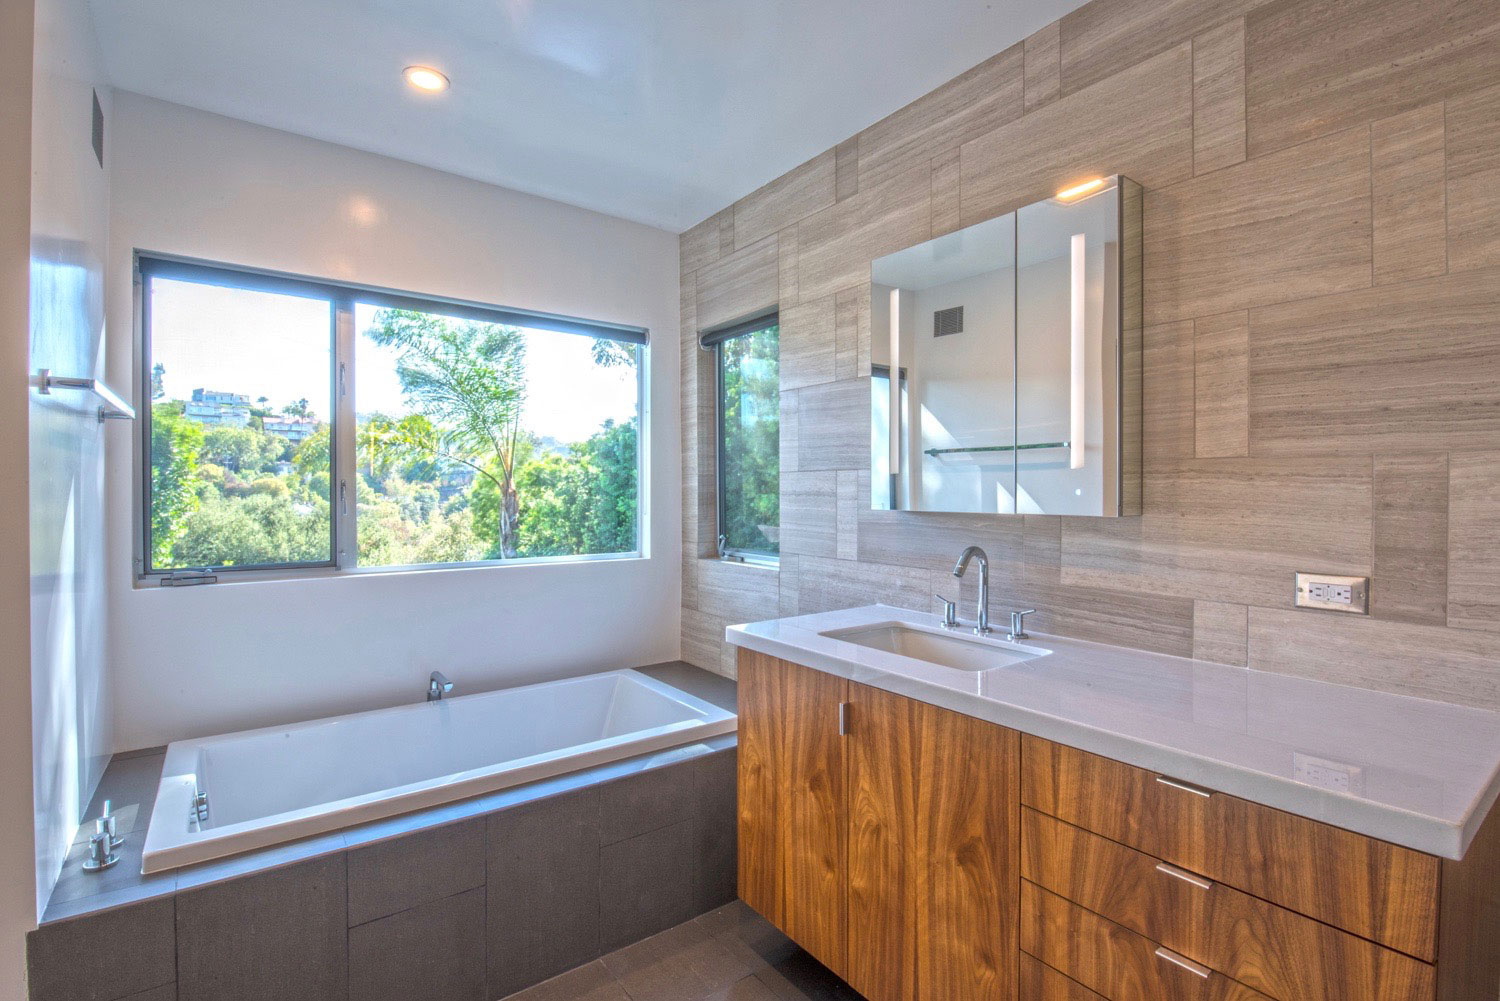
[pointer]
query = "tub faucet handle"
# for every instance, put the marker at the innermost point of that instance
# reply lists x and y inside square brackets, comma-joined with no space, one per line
[107,825]
[101,854]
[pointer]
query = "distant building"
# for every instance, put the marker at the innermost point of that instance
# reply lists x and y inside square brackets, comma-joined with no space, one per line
[209,406]
[294,429]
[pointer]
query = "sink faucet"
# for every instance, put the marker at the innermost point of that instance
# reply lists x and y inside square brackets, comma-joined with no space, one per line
[438,686]
[983,626]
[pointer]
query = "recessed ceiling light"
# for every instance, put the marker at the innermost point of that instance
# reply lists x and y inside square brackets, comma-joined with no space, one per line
[425,78]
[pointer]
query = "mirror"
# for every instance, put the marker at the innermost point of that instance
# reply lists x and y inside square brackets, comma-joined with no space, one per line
[1005,362]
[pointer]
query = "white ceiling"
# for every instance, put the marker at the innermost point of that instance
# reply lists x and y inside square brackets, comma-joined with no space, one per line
[661,111]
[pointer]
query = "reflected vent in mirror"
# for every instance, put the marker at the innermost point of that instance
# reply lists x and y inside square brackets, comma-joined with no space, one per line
[948,321]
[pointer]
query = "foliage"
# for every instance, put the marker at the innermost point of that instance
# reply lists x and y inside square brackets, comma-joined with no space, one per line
[752,442]
[175,446]
[241,450]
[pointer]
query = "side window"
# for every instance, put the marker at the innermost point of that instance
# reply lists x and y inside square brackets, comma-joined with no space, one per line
[749,423]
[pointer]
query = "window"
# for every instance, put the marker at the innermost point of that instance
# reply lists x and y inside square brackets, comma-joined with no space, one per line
[302,425]
[747,357]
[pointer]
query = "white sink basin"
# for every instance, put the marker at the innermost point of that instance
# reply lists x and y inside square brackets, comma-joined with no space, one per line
[958,648]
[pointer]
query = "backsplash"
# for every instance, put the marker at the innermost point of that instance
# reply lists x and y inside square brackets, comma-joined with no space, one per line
[1321,356]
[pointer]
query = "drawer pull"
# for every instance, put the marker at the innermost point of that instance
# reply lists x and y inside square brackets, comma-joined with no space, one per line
[1162,952]
[1185,787]
[1184,875]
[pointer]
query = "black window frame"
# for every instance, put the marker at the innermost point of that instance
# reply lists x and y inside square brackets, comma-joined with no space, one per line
[343,297]
[714,340]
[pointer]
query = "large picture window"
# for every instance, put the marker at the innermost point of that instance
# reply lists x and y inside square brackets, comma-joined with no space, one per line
[747,359]
[297,425]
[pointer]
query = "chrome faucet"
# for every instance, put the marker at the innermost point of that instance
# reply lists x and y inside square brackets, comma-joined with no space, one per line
[438,686]
[983,618]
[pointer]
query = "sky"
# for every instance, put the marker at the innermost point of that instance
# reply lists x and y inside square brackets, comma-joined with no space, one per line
[278,346]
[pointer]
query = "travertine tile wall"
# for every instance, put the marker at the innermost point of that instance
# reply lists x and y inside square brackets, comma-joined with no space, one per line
[1321,363]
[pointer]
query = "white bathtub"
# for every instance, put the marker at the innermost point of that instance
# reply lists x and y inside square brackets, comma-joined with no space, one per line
[273,785]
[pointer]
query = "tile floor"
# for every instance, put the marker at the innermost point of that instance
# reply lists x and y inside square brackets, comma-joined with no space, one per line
[728,954]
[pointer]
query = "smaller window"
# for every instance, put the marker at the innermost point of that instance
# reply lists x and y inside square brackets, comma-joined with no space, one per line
[748,406]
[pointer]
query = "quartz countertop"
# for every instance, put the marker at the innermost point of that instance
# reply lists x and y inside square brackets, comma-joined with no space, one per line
[1419,773]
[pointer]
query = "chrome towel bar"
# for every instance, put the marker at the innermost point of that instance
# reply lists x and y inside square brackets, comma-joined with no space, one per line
[114,409]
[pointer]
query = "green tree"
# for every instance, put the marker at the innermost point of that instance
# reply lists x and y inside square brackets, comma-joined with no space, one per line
[752,441]
[176,444]
[298,408]
[241,450]
[466,382]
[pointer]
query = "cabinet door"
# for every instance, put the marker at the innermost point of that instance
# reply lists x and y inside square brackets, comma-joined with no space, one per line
[933,852]
[791,802]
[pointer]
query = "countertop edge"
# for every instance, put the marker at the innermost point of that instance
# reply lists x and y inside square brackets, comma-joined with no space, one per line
[1429,835]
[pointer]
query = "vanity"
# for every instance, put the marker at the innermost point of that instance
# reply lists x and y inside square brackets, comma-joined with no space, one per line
[935,815]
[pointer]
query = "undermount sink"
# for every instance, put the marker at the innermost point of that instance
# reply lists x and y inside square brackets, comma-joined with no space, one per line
[962,651]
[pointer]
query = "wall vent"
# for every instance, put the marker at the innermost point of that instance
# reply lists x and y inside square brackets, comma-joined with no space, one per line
[98,130]
[948,321]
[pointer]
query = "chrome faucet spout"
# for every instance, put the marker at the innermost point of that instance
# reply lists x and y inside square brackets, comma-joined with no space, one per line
[982,626]
[438,686]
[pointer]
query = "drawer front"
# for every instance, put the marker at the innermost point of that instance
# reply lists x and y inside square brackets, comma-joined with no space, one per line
[1040,982]
[1114,961]
[1374,889]
[1276,951]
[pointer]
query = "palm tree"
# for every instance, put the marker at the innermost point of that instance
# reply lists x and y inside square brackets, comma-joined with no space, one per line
[466,382]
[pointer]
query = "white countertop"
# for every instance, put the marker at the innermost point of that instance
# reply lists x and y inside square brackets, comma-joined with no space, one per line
[1423,773]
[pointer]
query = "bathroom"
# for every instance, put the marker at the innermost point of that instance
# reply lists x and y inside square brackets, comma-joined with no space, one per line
[629,502]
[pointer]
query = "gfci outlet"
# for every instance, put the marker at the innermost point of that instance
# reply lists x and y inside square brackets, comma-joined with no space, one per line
[1333,592]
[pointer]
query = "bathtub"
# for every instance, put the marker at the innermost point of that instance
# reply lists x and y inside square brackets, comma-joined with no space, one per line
[264,787]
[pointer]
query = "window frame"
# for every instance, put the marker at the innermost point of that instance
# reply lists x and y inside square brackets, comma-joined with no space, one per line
[343,508]
[714,341]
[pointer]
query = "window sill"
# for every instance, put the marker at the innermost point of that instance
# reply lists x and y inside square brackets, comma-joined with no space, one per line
[749,562]
[153,582]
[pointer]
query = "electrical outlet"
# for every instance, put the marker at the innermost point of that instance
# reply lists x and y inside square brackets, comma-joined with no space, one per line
[1333,593]
[1325,774]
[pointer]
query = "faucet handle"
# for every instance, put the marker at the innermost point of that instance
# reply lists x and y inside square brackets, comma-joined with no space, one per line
[1018,624]
[950,611]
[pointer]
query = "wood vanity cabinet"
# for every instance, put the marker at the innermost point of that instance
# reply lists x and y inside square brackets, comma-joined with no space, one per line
[868,828]
[922,854]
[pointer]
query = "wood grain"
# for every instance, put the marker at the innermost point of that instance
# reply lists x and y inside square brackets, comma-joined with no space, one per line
[1220,632]
[1407,164]
[1410,537]
[1316,67]
[1406,368]
[883,845]
[1040,982]
[1280,227]
[1139,123]
[809,513]
[1468,962]
[1219,97]
[1474,540]
[1429,662]
[699,245]
[1221,366]
[826,585]
[851,329]
[727,589]
[946,192]
[971,104]
[1114,961]
[738,285]
[846,168]
[1378,891]
[792,805]
[1265,947]
[794,195]
[1043,67]
[1473,180]
[1106,37]
[838,412]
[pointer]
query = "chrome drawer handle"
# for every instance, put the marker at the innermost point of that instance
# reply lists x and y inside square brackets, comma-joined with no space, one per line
[1184,875]
[1185,787]
[1162,952]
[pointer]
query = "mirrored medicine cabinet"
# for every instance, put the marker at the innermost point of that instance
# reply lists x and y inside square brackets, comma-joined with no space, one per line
[1005,362]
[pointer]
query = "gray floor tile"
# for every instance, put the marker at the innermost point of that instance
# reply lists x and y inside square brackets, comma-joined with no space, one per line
[543,888]
[104,956]
[751,988]
[401,873]
[590,982]
[648,883]
[684,963]
[434,952]
[279,936]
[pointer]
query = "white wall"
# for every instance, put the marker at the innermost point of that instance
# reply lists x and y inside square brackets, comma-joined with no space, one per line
[69,221]
[17,856]
[204,660]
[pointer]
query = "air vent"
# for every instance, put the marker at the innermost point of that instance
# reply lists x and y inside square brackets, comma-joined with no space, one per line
[98,130]
[948,321]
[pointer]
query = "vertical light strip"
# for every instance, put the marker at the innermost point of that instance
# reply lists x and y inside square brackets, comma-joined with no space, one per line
[894,420]
[1076,319]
